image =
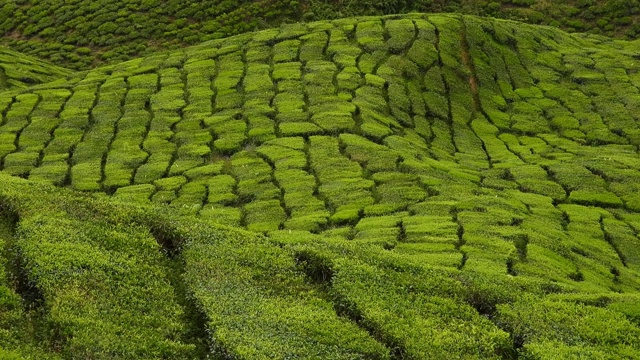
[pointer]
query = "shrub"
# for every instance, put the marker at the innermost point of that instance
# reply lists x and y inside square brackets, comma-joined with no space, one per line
[247,267]
[369,35]
[313,45]
[135,193]
[220,190]
[154,169]
[313,222]
[20,163]
[257,189]
[264,215]
[191,195]
[54,172]
[587,197]
[402,32]
[72,261]
[298,128]
[282,157]
[286,51]
[351,283]
[373,156]
[221,215]
[287,71]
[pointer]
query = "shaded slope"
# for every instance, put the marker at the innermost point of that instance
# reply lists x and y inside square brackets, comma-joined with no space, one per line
[474,167]
[18,71]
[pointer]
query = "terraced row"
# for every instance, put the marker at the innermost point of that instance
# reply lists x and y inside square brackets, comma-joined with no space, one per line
[173,123]
[245,130]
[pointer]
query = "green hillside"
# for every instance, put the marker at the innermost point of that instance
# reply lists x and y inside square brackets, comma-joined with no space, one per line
[18,71]
[400,187]
[86,33]
[83,34]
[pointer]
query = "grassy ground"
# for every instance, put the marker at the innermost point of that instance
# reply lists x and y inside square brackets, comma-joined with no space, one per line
[416,186]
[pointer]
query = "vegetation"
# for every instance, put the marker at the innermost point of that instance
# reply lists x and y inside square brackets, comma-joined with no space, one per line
[407,186]
[605,17]
[88,33]
[19,71]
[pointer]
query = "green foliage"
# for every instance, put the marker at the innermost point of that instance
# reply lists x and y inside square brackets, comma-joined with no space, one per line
[421,183]
[18,71]
[93,278]
[112,33]
[577,329]
[236,291]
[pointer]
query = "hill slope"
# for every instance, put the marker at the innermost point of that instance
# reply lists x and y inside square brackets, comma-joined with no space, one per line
[19,71]
[87,33]
[429,187]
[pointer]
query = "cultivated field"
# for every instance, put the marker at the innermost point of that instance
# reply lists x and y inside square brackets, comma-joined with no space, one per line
[82,34]
[408,187]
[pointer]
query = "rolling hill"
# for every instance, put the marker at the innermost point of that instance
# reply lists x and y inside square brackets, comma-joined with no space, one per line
[400,187]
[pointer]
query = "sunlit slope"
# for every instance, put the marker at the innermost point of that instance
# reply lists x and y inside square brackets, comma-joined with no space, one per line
[19,71]
[430,186]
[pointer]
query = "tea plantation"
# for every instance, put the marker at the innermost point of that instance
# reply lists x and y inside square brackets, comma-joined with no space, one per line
[399,187]
[81,34]
[18,71]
